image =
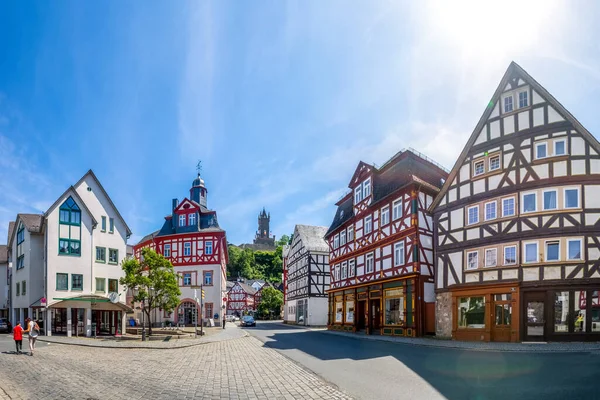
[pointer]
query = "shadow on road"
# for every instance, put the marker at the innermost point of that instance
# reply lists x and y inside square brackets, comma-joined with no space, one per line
[456,373]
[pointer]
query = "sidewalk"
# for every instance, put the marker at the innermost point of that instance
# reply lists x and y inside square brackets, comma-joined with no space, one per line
[232,331]
[550,347]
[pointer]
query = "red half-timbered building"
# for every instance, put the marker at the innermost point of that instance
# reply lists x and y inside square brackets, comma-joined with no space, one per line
[197,247]
[381,248]
[240,299]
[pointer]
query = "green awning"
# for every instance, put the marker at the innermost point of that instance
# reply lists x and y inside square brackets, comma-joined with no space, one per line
[82,299]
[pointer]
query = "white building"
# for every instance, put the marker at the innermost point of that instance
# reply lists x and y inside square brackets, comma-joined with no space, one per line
[67,263]
[4,274]
[306,277]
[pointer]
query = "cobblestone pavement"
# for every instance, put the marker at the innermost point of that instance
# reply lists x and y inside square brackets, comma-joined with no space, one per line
[233,369]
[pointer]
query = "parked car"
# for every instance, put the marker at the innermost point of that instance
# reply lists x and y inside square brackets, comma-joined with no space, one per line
[229,318]
[248,320]
[5,325]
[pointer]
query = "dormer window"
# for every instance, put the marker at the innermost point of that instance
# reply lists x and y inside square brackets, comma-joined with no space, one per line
[192,219]
[357,194]
[367,188]
[182,220]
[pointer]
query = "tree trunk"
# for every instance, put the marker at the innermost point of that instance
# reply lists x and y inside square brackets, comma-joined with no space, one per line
[147,312]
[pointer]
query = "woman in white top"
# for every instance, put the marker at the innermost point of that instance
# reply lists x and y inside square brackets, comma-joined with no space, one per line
[33,330]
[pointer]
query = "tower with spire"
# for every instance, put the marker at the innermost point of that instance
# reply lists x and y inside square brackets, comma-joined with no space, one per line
[263,235]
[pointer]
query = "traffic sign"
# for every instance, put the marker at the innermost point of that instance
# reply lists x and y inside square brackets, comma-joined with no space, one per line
[224,298]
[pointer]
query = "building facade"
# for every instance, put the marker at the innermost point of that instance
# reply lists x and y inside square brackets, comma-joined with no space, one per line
[197,247]
[517,224]
[240,299]
[4,282]
[306,277]
[381,248]
[66,264]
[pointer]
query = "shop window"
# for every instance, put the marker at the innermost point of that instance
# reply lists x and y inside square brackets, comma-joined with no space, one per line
[471,312]
[339,311]
[394,307]
[561,312]
[350,311]
[579,311]
[596,311]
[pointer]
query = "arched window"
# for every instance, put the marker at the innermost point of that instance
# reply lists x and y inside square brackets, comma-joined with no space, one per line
[69,229]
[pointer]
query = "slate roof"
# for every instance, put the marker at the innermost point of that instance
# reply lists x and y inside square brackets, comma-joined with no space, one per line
[229,284]
[148,237]
[313,237]
[3,254]
[344,213]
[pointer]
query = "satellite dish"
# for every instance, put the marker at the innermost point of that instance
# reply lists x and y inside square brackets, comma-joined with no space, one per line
[113,297]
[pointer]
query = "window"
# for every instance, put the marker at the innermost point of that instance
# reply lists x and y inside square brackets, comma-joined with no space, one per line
[103,223]
[490,210]
[336,241]
[562,313]
[113,256]
[529,202]
[508,207]
[366,188]
[479,167]
[18,288]
[385,215]
[508,103]
[100,285]
[339,311]
[187,249]
[351,268]
[24,288]
[531,252]
[552,251]
[337,272]
[471,312]
[167,250]
[357,194]
[350,233]
[368,224]
[560,147]
[100,254]
[62,281]
[21,262]
[394,307]
[344,270]
[192,219]
[76,282]
[550,200]
[541,150]
[494,163]
[491,257]
[208,247]
[571,198]
[473,215]
[574,249]
[369,263]
[208,309]
[111,225]
[113,285]
[523,99]
[343,237]
[349,310]
[20,252]
[399,254]
[187,279]
[397,210]
[472,259]
[69,236]
[510,255]
[182,220]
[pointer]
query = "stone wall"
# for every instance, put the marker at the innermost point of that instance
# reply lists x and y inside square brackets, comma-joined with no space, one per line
[443,315]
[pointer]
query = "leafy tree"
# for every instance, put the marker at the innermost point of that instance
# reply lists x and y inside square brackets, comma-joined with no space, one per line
[284,239]
[270,302]
[153,280]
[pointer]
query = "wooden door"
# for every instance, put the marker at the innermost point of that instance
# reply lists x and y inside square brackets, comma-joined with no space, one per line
[360,315]
[534,317]
[501,321]
[375,315]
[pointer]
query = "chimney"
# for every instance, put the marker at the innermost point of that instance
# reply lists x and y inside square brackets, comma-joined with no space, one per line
[175,203]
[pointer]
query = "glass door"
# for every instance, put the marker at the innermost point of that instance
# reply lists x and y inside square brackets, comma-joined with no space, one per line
[535,317]
[502,318]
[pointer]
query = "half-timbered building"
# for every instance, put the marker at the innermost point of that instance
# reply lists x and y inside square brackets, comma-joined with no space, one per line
[381,248]
[197,247]
[517,242]
[240,299]
[307,277]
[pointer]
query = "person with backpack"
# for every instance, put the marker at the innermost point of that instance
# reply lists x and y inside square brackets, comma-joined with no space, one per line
[34,331]
[18,336]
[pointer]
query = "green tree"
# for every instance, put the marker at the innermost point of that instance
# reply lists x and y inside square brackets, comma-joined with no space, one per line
[284,239]
[153,280]
[270,302]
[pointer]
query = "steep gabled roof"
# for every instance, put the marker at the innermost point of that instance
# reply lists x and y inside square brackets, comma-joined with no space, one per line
[312,237]
[362,166]
[11,228]
[3,254]
[247,288]
[34,223]
[78,200]
[514,70]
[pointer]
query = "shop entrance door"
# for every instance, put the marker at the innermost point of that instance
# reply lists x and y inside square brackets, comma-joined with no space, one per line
[502,318]
[375,315]
[534,317]
[360,315]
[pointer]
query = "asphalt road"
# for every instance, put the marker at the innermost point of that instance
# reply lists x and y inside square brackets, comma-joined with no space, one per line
[367,369]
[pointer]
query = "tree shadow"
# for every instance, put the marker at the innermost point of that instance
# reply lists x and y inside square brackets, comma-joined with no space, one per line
[457,373]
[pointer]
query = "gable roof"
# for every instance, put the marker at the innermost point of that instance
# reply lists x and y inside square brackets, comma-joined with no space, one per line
[3,254]
[513,70]
[359,169]
[11,228]
[34,223]
[312,237]
[78,200]
[247,288]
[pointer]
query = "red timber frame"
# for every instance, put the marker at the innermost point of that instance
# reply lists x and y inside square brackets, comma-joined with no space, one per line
[238,300]
[196,240]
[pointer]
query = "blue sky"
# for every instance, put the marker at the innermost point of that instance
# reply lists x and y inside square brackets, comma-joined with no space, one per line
[280,100]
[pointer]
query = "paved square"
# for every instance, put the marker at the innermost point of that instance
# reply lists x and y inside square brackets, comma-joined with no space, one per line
[234,369]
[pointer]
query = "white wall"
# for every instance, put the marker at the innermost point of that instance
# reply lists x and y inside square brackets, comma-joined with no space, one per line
[317,311]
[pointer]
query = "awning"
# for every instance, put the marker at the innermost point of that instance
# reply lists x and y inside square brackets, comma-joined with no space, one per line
[37,303]
[101,301]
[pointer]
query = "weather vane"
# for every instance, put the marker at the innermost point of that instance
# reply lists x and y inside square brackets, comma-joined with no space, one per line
[199,167]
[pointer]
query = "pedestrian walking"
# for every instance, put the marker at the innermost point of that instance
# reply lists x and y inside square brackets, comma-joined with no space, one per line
[18,336]
[224,320]
[34,331]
